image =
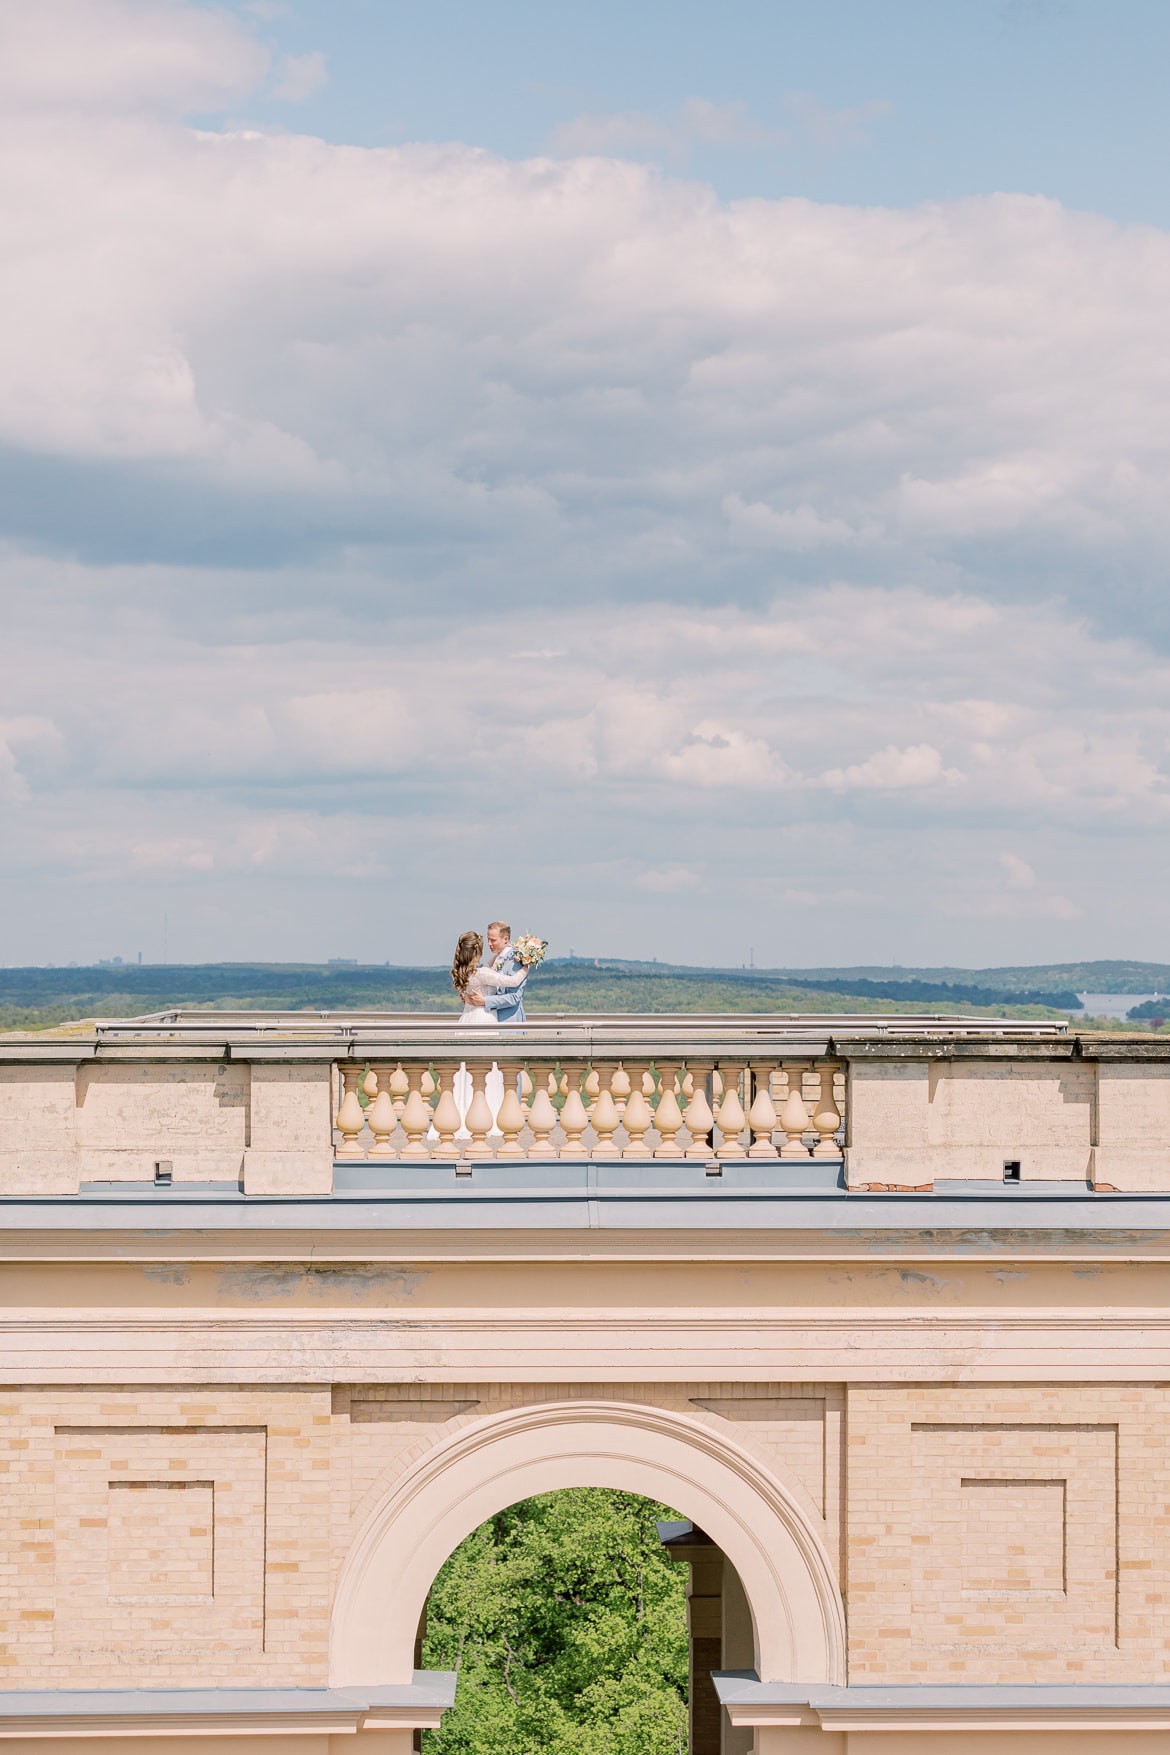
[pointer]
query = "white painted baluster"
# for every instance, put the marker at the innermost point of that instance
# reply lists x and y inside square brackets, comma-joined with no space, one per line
[604,1115]
[794,1115]
[668,1116]
[350,1116]
[699,1118]
[826,1117]
[730,1116]
[416,1116]
[511,1117]
[762,1115]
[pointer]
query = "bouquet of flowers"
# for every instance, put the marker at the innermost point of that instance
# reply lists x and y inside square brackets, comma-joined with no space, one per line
[529,950]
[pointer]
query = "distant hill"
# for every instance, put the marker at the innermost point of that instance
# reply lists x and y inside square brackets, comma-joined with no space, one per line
[1101,977]
[33,998]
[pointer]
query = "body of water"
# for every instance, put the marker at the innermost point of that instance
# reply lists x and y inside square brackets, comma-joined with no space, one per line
[1115,1005]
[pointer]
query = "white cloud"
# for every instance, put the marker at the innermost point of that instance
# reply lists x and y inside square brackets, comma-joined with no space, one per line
[718,754]
[698,122]
[670,880]
[429,514]
[299,76]
[1018,874]
[893,769]
[830,130]
[123,54]
[799,528]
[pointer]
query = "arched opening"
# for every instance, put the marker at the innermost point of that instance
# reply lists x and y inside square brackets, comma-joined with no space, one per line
[745,1513]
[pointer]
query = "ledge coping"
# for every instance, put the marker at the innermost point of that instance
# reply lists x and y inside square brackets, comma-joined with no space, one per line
[926,1706]
[416,1704]
[976,1221]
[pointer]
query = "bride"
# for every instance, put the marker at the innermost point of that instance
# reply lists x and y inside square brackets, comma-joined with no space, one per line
[467,977]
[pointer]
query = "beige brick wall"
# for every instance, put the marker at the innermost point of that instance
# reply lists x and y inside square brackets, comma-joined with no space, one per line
[1007,1534]
[123,1507]
[170,1538]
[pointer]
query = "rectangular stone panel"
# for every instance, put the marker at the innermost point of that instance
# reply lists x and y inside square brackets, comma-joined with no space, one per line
[159,1539]
[1014,1537]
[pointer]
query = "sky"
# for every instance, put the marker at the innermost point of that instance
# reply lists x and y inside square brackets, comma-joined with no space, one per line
[690,479]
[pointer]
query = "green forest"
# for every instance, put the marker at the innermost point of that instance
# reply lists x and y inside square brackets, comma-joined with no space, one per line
[39,998]
[566,1624]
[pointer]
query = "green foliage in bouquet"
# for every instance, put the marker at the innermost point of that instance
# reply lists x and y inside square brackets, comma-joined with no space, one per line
[567,1625]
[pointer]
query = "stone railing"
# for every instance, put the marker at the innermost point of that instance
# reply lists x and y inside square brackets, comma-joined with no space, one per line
[309,1104]
[558,1105]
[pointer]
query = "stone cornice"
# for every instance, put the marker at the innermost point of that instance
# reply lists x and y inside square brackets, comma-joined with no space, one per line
[927,1707]
[844,1345]
[185,1712]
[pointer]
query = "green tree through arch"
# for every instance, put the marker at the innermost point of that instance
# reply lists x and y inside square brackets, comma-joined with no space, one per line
[567,1625]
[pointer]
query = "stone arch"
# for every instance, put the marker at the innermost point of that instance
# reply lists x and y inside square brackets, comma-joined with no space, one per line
[671,1457]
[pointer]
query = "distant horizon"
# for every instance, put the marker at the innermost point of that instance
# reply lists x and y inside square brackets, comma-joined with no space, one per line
[888,971]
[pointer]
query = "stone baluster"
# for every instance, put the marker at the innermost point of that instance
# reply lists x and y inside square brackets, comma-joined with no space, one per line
[699,1118]
[479,1115]
[668,1117]
[591,1089]
[730,1116]
[619,1086]
[762,1115]
[399,1087]
[604,1114]
[350,1115]
[826,1117]
[381,1116]
[416,1115]
[446,1116]
[574,1121]
[511,1118]
[637,1117]
[794,1115]
[542,1117]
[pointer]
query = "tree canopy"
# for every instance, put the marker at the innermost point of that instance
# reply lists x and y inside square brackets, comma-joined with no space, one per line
[567,1625]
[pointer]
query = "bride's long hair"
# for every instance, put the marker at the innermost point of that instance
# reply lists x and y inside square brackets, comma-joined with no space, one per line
[467,954]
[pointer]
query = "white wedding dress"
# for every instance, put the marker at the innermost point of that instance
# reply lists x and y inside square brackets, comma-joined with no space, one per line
[487,980]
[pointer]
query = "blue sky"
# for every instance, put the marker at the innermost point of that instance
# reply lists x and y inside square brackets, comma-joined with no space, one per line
[843,100]
[688,479]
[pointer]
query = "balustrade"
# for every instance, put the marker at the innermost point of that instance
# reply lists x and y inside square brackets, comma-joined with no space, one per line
[660,1108]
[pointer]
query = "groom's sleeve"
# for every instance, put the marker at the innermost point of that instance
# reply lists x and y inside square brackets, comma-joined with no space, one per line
[507,996]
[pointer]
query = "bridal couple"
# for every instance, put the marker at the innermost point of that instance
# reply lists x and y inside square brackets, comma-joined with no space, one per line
[492,987]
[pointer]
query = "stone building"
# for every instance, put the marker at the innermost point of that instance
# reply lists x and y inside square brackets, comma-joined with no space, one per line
[878,1304]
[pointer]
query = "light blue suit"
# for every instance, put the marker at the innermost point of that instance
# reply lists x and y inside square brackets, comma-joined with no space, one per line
[508,1004]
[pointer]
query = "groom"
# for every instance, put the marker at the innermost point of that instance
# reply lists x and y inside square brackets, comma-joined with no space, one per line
[508,1003]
